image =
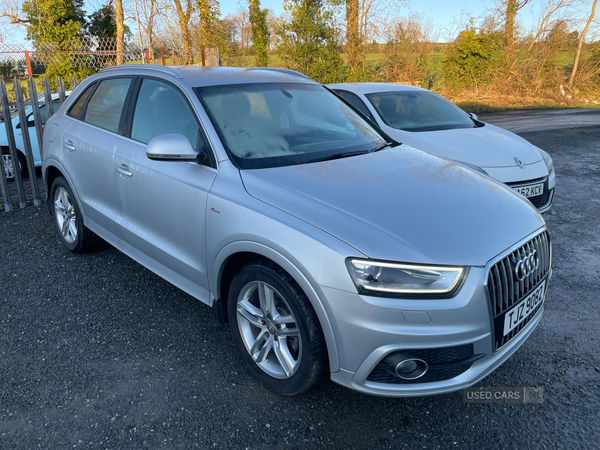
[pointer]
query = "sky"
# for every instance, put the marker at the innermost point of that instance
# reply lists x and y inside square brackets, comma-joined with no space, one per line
[441,12]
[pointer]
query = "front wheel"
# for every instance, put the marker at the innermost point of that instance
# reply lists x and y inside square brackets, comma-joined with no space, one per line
[68,219]
[276,329]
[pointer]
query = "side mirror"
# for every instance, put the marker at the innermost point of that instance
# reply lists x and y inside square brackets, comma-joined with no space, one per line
[173,147]
[473,116]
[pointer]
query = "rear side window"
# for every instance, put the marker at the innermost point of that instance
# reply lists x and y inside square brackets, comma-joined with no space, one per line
[106,105]
[356,102]
[76,108]
[161,109]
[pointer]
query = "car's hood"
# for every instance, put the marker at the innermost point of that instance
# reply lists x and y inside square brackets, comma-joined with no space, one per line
[487,146]
[401,204]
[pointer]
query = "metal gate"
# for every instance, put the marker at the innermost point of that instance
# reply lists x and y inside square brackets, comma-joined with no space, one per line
[20,119]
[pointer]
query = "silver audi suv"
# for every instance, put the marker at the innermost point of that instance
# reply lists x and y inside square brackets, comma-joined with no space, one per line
[327,246]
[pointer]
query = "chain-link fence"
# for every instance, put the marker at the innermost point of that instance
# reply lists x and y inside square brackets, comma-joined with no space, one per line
[89,53]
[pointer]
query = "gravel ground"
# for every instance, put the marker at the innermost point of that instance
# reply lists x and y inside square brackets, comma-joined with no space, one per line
[98,352]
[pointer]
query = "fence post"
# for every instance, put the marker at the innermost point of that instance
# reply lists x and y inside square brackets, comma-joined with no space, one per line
[29,74]
[203,59]
[37,118]
[147,56]
[60,87]
[74,82]
[162,56]
[12,147]
[37,201]
[48,96]
[5,194]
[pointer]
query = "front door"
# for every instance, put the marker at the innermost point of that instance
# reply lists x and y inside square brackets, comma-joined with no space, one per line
[163,203]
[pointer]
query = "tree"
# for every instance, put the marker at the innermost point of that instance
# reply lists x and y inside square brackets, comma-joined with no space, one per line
[120,31]
[353,42]
[103,23]
[60,24]
[581,38]
[260,33]
[183,16]
[209,23]
[309,43]
[550,8]
[471,60]
[512,8]
[56,22]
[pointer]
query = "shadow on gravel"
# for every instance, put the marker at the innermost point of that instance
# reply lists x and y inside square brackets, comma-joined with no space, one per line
[98,352]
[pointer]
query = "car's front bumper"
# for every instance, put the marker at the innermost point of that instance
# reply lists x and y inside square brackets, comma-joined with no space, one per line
[370,328]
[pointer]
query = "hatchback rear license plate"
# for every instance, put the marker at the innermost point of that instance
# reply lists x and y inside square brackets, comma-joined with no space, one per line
[526,307]
[530,191]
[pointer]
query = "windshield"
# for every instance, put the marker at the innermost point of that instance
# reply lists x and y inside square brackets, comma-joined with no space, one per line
[419,111]
[272,125]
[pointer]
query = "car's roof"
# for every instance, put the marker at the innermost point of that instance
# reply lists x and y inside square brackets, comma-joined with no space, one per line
[369,88]
[210,76]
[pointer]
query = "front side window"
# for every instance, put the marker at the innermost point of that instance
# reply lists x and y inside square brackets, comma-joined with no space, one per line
[272,124]
[419,111]
[106,105]
[161,109]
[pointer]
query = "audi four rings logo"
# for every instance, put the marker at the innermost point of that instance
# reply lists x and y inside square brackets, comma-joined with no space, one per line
[526,265]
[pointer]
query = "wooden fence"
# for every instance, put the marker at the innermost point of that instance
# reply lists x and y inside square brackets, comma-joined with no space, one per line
[18,148]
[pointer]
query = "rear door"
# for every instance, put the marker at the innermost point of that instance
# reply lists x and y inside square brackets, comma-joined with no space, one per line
[163,203]
[88,152]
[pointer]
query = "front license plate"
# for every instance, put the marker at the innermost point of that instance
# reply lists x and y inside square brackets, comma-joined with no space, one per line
[530,191]
[526,307]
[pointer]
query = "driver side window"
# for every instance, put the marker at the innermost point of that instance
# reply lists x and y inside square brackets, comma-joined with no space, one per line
[161,109]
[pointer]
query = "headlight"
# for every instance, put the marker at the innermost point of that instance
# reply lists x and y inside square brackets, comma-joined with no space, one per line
[387,279]
[472,166]
[547,160]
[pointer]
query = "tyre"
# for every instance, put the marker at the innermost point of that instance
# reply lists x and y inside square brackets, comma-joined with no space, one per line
[68,219]
[9,167]
[276,329]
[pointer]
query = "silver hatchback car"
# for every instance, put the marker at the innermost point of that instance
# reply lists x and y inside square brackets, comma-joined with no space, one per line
[326,246]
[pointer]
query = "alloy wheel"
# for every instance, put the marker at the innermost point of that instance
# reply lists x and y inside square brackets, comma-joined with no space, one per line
[66,218]
[269,330]
[9,168]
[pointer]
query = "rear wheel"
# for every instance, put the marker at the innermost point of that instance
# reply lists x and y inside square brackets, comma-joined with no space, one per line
[276,329]
[10,168]
[68,219]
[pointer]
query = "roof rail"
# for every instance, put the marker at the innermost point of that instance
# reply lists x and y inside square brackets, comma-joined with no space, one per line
[286,71]
[163,69]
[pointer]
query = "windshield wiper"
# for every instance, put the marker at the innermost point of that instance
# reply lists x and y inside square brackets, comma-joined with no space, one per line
[381,147]
[337,156]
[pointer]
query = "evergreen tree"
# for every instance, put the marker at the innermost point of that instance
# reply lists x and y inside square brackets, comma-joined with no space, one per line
[60,24]
[55,22]
[260,33]
[309,42]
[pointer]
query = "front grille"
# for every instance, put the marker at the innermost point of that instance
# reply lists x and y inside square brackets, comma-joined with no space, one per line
[444,363]
[539,201]
[506,291]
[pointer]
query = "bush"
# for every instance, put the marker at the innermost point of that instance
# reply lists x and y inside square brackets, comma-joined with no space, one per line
[471,61]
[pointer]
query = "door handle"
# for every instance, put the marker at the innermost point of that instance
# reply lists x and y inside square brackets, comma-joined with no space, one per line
[69,146]
[123,170]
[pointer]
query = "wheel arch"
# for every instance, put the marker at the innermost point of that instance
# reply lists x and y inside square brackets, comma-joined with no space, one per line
[52,172]
[235,255]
